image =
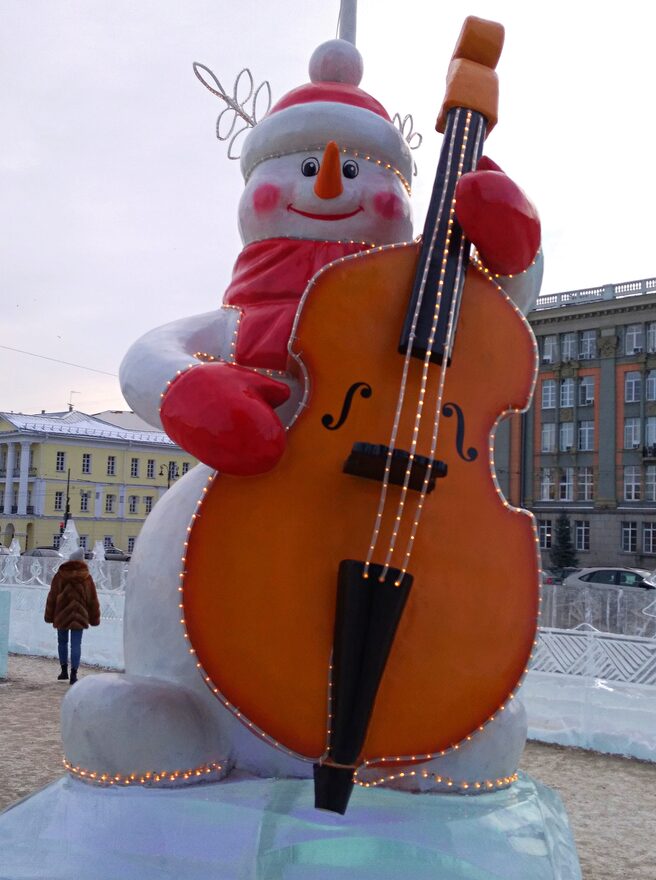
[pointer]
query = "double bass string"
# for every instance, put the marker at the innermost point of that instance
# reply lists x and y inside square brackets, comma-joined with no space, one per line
[406,367]
[425,368]
[455,308]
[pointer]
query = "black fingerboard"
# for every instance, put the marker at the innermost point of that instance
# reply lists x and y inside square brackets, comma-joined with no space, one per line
[444,252]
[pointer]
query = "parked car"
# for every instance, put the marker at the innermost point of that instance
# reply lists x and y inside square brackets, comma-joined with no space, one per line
[557,575]
[42,551]
[610,577]
[113,553]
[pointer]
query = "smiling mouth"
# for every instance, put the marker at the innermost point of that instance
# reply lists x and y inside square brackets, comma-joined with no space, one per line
[325,216]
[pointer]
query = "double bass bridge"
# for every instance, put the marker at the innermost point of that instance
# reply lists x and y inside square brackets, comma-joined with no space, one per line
[369,460]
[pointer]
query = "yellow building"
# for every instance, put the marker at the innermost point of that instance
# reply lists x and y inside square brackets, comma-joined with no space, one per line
[111,468]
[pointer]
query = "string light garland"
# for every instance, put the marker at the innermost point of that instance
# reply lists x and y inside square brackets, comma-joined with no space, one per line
[357,154]
[462,785]
[149,778]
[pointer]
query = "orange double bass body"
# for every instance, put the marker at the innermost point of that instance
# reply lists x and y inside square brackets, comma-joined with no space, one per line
[259,586]
[260,583]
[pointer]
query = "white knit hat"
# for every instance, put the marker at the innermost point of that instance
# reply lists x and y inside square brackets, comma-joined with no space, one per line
[329,108]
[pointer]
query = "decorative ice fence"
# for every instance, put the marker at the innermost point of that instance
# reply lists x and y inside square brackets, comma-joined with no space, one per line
[592,679]
[28,579]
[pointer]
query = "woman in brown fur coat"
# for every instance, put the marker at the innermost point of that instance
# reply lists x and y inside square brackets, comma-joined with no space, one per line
[72,606]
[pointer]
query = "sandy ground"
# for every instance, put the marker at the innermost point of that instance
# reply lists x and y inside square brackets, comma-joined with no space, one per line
[611,801]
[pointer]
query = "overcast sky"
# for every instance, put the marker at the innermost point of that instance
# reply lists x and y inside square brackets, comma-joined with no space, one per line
[118,205]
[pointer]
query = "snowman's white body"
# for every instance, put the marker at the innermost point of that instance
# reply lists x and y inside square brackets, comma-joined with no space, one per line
[160,717]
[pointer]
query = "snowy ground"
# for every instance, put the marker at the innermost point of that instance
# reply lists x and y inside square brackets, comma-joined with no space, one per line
[611,801]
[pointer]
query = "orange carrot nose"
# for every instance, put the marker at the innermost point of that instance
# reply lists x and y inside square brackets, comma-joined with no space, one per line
[328,184]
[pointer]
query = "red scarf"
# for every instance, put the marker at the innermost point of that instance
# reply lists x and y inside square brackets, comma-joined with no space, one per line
[267,284]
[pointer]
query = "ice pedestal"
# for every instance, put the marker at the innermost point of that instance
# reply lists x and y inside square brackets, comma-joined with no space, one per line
[255,829]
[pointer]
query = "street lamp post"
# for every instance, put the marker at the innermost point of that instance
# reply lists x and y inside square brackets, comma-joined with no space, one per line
[67,511]
[171,472]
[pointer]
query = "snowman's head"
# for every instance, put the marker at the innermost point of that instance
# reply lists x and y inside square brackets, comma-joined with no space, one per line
[327,163]
[328,195]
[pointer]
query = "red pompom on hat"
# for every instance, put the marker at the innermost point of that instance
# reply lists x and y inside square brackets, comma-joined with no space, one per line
[331,107]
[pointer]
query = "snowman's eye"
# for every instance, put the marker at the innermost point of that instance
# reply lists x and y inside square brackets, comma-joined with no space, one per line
[350,169]
[310,167]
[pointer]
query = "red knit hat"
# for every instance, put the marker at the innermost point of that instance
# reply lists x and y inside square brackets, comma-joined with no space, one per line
[329,108]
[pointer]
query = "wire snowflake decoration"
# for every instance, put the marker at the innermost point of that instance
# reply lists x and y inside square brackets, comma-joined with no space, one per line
[412,138]
[246,106]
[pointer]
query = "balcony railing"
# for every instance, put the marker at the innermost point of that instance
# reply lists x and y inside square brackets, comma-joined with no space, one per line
[593,294]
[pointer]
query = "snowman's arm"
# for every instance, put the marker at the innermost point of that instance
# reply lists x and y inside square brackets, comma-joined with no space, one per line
[524,288]
[155,359]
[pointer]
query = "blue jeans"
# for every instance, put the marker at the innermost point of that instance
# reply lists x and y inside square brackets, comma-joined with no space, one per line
[76,646]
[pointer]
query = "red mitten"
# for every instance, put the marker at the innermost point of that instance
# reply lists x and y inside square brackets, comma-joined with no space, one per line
[498,219]
[223,414]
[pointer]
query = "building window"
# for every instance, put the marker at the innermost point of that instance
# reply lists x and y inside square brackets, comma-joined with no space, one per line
[567,387]
[566,440]
[649,537]
[633,341]
[549,394]
[586,436]
[110,500]
[111,465]
[548,437]
[86,462]
[586,390]
[588,345]
[544,531]
[547,485]
[56,541]
[150,469]
[566,484]
[631,433]
[83,540]
[650,385]
[185,467]
[84,502]
[148,503]
[134,467]
[632,386]
[585,484]
[550,350]
[108,542]
[133,500]
[582,534]
[632,483]
[651,336]
[650,432]
[569,346]
[650,482]
[59,500]
[60,464]
[629,537]
[131,543]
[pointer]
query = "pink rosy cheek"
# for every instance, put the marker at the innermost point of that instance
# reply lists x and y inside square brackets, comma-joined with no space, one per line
[265,198]
[388,205]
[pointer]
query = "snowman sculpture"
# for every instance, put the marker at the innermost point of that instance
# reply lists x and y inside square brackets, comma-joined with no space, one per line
[327,175]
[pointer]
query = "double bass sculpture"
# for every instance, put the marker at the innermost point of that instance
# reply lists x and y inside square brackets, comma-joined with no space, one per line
[339,584]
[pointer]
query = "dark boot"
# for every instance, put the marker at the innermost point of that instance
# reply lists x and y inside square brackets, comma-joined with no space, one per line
[73,675]
[63,675]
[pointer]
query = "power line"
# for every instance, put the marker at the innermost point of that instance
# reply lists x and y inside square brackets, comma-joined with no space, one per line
[58,361]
